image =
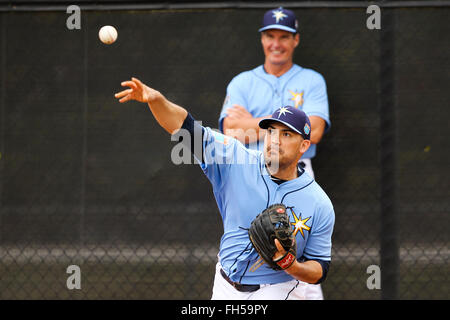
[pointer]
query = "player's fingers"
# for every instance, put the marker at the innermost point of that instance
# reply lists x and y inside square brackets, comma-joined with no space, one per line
[123,93]
[238,107]
[280,253]
[125,99]
[241,111]
[232,111]
[129,83]
[231,115]
[136,80]
[279,246]
[236,114]
[138,83]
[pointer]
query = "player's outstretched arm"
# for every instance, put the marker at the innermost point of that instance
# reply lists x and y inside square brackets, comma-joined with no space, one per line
[169,115]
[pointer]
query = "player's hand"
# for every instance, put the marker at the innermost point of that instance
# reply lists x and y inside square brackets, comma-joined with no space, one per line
[137,91]
[281,252]
[238,112]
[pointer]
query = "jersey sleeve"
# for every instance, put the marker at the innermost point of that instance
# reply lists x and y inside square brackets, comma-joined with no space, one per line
[234,95]
[215,152]
[316,99]
[220,153]
[318,245]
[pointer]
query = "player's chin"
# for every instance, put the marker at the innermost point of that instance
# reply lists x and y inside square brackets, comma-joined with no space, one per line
[271,156]
[272,166]
[273,159]
[278,59]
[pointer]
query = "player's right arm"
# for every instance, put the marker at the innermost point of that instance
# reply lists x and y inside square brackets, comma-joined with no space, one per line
[169,115]
[217,152]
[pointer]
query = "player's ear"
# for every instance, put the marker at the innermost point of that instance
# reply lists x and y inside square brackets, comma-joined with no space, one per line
[304,145]
[297,39]
[262,36]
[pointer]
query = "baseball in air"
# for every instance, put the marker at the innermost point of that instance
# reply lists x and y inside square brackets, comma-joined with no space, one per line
[107,34]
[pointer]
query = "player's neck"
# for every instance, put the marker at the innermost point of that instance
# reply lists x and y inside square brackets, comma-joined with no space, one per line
[286,174]
[277,69]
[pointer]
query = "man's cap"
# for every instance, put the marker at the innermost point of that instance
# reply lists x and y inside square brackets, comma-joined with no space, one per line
[282,19]
[293,118]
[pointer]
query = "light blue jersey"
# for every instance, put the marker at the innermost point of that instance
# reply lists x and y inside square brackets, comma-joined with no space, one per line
[243,188]
[262,93]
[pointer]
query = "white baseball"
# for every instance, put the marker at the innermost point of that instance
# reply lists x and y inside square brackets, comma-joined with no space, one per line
[107,34]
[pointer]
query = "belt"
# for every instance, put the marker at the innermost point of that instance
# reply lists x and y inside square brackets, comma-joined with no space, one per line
[239,286]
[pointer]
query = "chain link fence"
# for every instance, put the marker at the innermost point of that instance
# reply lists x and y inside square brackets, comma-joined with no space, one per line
[85,181]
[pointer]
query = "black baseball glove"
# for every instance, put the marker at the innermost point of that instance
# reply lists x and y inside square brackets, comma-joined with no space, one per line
[273,223]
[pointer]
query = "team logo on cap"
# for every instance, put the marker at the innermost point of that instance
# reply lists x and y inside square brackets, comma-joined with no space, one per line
[282,111]
[279,15]
[306,129]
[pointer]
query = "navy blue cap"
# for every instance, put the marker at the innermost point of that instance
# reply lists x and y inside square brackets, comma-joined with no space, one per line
[282,19]
[292,117]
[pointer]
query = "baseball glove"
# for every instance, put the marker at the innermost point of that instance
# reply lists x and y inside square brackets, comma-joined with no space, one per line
[273,223]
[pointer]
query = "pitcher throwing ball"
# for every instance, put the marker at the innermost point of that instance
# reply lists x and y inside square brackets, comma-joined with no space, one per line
[260,195]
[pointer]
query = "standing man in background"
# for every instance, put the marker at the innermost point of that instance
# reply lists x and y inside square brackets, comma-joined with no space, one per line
[254,95]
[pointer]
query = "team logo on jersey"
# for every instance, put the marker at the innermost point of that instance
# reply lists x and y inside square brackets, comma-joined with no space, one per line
[297,98]
[278,15]
[299,224]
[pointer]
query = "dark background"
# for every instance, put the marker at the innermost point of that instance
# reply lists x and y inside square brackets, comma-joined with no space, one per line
[85,180]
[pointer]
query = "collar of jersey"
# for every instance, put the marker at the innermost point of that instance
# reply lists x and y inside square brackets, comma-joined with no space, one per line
[260,71]
[300,182]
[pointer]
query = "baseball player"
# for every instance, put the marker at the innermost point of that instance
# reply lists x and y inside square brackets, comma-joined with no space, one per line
[254,94]
[246,182]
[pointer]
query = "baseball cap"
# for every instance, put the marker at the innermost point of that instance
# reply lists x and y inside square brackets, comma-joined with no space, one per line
[282,19]
[294,118]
